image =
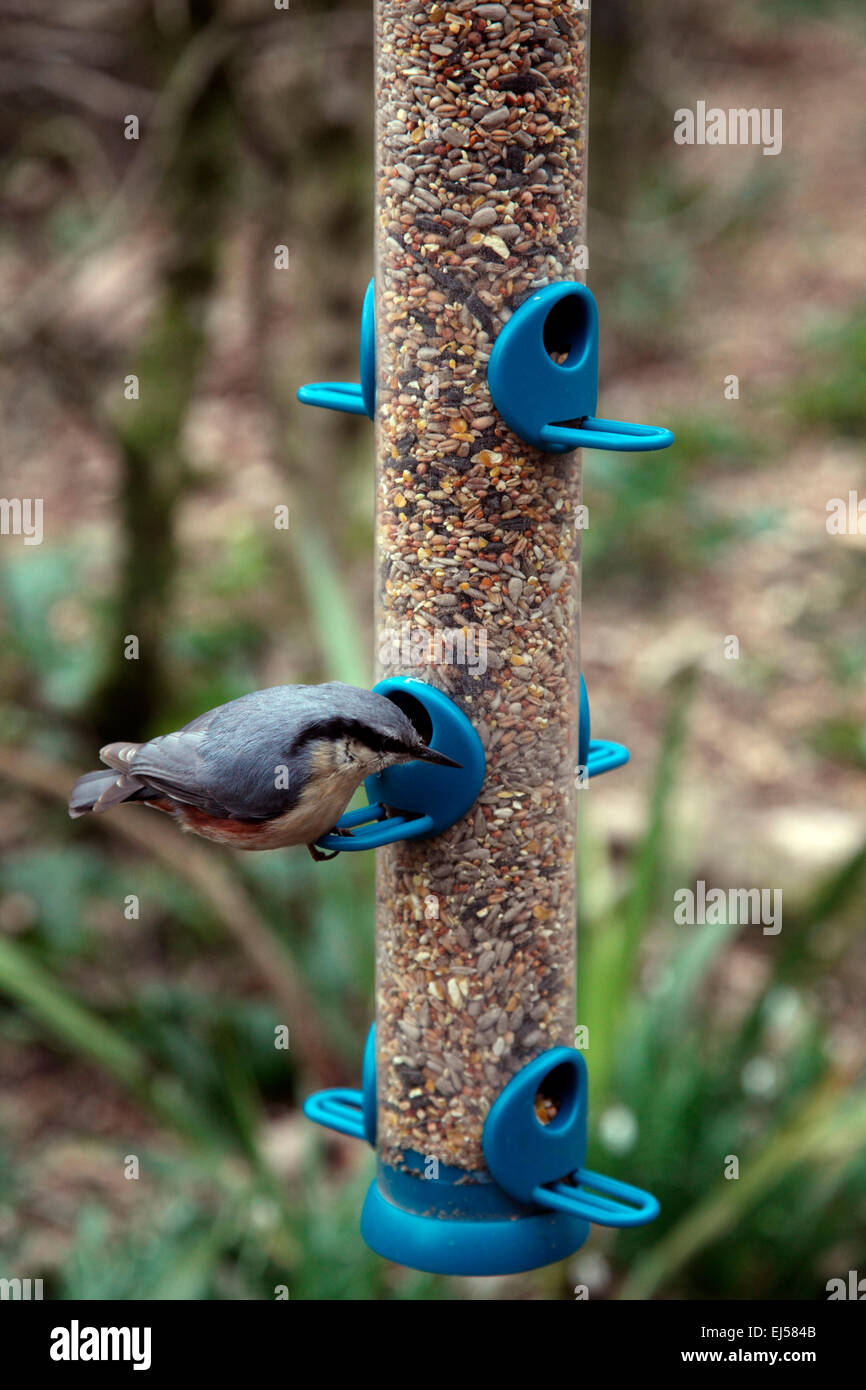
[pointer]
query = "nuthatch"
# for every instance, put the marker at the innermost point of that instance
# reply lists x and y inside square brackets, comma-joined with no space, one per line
[275,768]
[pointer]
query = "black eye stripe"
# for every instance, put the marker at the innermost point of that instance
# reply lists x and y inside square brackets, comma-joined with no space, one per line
[337,729]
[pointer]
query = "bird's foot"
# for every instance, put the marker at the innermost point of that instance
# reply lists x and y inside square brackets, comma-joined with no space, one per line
[320,854]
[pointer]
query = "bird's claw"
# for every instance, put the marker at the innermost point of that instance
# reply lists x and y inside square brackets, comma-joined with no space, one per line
[319,854]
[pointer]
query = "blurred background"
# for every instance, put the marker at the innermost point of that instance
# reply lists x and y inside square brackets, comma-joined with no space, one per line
[141,975]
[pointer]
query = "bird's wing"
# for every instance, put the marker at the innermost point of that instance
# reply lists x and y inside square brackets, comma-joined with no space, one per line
[222,770]
[118,755]
[173,764]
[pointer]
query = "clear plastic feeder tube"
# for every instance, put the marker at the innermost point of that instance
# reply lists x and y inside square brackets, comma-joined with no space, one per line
[480,185]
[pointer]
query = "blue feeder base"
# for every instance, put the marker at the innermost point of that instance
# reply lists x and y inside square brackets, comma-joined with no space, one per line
[441,1246]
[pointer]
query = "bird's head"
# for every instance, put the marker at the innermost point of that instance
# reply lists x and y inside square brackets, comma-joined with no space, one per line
[373,734]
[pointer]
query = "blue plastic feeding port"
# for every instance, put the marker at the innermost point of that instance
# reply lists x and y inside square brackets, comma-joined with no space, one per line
[605,756]
[548,402]
[346,1111]
[543,376]
[349,397]
[415,800]
[597,755]
[541,1163]
[533,1207]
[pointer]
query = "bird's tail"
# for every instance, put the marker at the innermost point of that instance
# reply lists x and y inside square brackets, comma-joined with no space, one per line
[99,791]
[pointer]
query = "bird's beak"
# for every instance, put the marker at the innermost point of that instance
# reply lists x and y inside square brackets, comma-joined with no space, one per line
[430,755]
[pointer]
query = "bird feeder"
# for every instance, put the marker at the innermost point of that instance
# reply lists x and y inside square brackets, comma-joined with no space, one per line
[479,367]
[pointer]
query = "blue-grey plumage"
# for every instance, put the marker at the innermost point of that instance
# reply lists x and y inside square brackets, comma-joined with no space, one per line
[274,768]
